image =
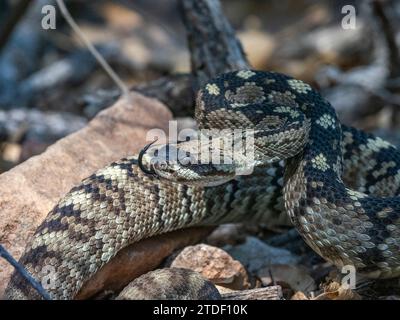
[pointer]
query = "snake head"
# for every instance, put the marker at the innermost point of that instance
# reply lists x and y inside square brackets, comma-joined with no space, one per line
[201,162]
[259,114]
[184,163]
[214,160]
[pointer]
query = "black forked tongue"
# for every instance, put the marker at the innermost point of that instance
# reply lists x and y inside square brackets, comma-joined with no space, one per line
[140,159]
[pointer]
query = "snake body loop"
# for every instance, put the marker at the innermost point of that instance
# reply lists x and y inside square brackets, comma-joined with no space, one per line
[346,226]
[340,188]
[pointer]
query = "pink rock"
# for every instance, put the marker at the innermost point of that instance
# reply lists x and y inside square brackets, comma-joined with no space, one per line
[214,264]
[30,190]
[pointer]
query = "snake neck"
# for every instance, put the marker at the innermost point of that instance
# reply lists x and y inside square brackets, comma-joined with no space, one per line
[344,226]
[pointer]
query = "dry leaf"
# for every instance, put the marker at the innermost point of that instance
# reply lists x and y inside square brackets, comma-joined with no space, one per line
[335,291]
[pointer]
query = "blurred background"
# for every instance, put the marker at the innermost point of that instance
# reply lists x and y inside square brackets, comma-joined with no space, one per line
[51,86]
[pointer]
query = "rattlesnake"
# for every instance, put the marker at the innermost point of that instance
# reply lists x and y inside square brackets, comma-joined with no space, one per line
[339,188]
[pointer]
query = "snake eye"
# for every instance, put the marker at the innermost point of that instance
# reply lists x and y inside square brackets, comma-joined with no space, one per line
[162,165]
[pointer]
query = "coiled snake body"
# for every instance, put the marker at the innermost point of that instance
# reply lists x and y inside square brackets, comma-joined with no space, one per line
[339,188]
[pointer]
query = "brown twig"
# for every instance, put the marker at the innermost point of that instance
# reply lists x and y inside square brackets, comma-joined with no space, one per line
[266,293]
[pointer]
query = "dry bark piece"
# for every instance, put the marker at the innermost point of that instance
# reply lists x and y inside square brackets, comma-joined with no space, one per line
[214,264]
[29,191]
[267,293]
